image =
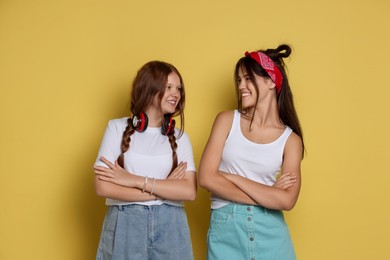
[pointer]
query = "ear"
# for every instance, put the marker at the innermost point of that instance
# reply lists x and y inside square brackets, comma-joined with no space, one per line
[271,85]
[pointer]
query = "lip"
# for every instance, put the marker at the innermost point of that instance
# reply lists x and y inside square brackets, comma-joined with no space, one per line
[245,94]
[172,102]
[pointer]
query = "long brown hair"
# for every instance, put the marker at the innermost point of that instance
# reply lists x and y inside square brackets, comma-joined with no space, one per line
[151,80]
[286,108]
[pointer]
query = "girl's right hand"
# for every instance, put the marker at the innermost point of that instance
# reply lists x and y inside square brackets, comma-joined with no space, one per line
[285,181]
[179,172]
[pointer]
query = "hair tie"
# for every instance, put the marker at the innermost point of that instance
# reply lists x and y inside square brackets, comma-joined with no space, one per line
[269,66]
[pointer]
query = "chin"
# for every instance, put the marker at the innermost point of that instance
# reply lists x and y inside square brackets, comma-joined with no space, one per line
[169,111]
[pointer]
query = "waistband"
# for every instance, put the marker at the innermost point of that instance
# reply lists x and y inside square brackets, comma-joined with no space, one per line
[143,207]
[246,209]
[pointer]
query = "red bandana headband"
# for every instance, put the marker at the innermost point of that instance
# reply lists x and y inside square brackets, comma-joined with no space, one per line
[269,66]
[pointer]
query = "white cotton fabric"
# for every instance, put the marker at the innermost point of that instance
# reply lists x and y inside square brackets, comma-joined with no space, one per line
[150,154]
[258,162]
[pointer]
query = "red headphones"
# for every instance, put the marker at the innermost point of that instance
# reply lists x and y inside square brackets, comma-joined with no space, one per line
[168,127]
[140,123]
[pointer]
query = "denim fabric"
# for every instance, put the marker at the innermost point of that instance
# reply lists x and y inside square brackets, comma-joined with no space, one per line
[139,232]
[248,232]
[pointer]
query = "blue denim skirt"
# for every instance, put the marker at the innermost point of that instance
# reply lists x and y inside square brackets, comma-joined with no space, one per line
[145,232]
[239,232]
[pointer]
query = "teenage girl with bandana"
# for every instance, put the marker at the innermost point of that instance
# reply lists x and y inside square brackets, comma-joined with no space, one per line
[252,161]
[145,169]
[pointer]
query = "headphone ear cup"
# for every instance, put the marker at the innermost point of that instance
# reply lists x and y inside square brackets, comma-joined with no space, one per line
[140,122]
[168,127]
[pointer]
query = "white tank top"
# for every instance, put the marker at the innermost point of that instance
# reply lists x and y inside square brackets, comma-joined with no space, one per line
[258,162]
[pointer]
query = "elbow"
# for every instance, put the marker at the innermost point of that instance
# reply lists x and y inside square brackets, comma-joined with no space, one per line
[191,196]
[100,188]
[203,183]
[288,205]
[288,208]
[100,192]
[207,185]
[186,196]
[188,193]
[286,200]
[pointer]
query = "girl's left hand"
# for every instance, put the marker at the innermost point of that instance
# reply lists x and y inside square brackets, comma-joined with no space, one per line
[179,172]
[285,181]
[115,174]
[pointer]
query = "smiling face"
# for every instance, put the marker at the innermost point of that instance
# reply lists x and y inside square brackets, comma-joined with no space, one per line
[172,94]
[246,89]
[251,94]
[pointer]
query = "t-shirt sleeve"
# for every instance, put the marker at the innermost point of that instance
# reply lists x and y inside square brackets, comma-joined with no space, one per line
[184,151]
[110,146]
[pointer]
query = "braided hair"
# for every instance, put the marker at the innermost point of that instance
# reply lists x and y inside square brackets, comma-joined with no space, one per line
[151,80]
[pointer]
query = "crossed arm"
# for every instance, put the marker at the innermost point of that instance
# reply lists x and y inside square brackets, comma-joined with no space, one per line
[116,183]
[282,196]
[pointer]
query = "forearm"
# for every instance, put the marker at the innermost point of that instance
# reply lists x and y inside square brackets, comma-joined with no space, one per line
[115,182]
[267,196]
[117,192]
[220,186]
[172,189]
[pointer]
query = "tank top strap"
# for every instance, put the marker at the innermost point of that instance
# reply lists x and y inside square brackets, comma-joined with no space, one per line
[234,131]
[236,120]
[283,138]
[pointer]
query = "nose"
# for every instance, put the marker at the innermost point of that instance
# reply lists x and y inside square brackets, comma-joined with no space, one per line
[175,92]
[242,84]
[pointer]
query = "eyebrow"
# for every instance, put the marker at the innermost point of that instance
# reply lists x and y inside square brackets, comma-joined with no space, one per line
[169,84]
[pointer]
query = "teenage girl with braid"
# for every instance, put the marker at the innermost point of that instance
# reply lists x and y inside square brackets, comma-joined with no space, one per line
[145,169]
[248,148]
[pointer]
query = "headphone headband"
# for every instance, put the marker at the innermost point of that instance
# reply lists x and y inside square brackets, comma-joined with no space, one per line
[140,123]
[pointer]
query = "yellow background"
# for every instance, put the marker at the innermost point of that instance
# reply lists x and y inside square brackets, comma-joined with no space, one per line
[66,68]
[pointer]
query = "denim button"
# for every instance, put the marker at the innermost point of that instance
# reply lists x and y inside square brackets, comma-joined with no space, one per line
[249,218]
[248,209]
[251,239]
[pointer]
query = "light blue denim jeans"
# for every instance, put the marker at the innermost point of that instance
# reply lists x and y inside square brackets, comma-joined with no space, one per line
[141,232]
[239,232]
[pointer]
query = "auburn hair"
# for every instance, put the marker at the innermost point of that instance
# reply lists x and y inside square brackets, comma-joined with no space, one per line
[151,80]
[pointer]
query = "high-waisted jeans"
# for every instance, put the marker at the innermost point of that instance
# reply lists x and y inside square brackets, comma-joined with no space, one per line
[138,232]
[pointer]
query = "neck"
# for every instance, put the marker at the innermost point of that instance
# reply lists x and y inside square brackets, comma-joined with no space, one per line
[266,114]
[154,117]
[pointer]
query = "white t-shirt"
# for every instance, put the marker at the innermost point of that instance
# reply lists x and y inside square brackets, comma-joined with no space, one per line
[149,154]
[257,162]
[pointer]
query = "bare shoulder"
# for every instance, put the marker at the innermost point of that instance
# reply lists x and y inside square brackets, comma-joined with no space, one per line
[294,144]
[294,139]
[225,117]
[223,123]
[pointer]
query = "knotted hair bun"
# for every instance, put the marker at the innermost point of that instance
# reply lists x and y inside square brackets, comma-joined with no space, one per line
[282,51]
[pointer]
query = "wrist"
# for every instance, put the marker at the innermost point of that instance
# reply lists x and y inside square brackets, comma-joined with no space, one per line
[141,182]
